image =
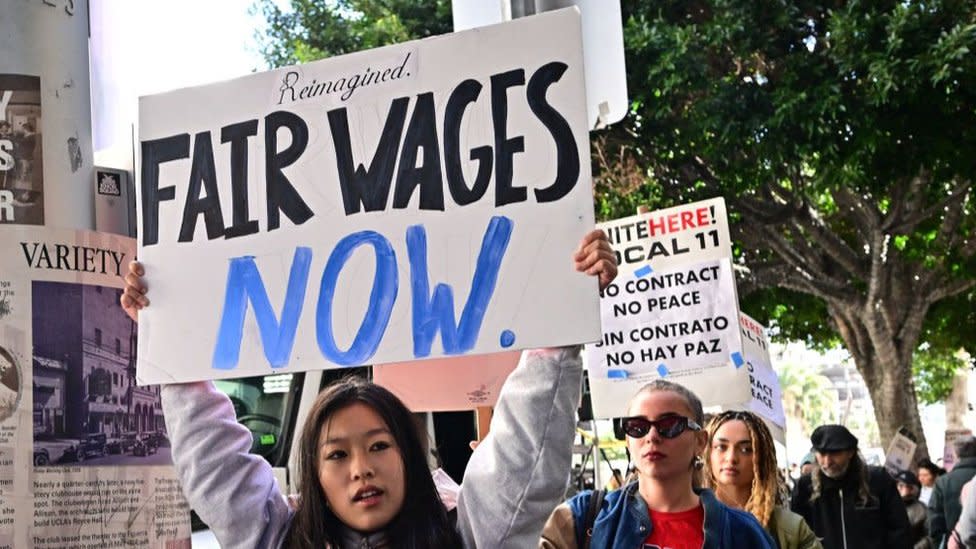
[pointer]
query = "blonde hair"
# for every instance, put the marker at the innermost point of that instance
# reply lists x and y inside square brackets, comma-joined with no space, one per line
[765,493]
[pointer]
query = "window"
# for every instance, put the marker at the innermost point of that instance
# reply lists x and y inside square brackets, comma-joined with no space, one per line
[115,377]
[118,346]
[98,337]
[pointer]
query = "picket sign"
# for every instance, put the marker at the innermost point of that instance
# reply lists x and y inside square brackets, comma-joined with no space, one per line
[415,201]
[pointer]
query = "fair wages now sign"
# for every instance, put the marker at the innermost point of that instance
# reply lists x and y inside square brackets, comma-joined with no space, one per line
[416,201]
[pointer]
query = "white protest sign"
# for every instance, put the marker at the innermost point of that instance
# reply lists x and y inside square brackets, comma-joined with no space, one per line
[663,239]
[419,200]
[680,325]
[900,453]
[766,395]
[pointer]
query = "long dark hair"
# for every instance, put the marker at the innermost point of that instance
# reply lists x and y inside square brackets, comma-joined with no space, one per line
[764,494]
[421,523]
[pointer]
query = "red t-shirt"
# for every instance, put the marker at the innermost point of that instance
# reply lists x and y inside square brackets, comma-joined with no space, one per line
[684,530]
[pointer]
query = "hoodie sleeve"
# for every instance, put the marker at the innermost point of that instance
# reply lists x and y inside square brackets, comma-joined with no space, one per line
[232,490]
[519,473]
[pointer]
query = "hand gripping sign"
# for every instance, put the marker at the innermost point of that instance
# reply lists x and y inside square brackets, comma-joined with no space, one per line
[408,202]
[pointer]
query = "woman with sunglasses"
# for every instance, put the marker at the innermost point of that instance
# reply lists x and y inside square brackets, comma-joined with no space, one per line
[740,466]
[661,509]
[362,471]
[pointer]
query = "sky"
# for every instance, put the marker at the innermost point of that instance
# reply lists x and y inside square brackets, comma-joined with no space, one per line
[142,47]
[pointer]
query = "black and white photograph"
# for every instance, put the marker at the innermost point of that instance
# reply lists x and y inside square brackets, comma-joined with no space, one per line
[21,164]
[9,384]
[88,409]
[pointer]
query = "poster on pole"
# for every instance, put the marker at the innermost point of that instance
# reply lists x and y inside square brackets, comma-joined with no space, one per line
[416,201]
[766,399]
[448,384]
[21,155]
[84,456]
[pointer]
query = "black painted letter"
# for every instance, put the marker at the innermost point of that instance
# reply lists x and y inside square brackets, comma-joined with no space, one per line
[369,187]
[462,96]
[154,153]
[202,171]
[505,148]
[567,154]
[281,195]
[421,132]
[236,135]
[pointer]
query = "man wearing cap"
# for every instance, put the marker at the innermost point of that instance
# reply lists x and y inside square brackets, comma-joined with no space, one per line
[909,488]
[944,505]
[849,504]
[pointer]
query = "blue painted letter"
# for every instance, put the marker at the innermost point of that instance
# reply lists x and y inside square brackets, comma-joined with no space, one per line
[381,299]
[244,283]
[431,313]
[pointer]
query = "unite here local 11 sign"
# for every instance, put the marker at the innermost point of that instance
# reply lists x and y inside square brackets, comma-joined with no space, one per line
[672,312]
[415,201]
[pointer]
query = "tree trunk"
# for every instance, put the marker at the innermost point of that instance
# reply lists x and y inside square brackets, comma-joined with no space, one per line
[885,363]
[957,404]
[896,406]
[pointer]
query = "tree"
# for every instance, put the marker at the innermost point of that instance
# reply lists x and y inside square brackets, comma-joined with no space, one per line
[841,135]
[313,29]
[809,399]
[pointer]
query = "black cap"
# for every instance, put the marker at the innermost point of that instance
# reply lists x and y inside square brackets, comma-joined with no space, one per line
[908,477]
[832,438]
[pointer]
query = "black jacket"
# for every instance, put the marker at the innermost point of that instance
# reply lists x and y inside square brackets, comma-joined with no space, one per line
[944,506]
[882,523]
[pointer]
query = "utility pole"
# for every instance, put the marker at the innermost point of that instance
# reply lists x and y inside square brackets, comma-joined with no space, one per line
[45,114]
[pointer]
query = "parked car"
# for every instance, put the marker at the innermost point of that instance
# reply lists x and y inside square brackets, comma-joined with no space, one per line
[128,441]
[160,438]
[145,445]
[50,449]
[41,457]
[92,445]
[113,445]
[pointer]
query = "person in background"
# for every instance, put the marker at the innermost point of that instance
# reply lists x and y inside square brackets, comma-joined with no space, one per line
[908,489]
[963,536]
[808,464]
[663,508]
[616,480]
[848,503]
[944,506]
[740,465]
[928,473]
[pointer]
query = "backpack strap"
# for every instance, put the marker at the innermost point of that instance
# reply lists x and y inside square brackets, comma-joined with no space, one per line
[596,501]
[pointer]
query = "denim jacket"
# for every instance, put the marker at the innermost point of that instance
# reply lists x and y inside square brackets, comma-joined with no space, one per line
[624,523]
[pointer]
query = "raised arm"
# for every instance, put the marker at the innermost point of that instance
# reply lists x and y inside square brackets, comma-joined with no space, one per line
[232,490]
[519,473]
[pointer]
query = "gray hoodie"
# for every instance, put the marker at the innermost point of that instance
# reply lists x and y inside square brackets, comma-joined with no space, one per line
[514,479]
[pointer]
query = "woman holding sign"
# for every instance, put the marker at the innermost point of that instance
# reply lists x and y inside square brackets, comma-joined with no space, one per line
[362,467]
[661,509]
[741,468]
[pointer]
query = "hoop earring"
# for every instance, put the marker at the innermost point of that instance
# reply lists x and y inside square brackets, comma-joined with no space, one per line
[699,463]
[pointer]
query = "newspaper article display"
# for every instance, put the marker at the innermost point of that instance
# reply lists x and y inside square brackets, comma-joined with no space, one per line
[84,458]
[460,383]
[663,239]
[680,325]
[21,164]
[417,201]
[767,397]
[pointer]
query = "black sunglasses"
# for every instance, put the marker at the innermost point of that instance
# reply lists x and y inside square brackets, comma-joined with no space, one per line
[667,426]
